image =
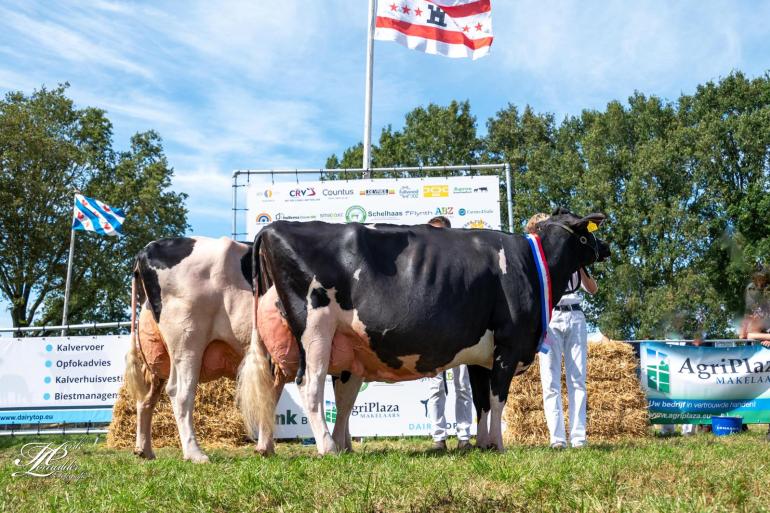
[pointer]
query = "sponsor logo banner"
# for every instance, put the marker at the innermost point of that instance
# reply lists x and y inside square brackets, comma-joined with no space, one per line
[60,379]
[688,384]
[468,202]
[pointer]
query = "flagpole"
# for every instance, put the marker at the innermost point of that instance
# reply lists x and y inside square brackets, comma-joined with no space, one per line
[67,284]
[367,161]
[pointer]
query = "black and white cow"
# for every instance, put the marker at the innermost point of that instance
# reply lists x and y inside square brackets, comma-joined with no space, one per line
[395,303]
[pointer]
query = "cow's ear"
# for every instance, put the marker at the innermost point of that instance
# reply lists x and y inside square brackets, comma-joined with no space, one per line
[591,222]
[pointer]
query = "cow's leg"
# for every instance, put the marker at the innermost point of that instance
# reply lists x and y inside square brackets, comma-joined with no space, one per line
[480,383]
[503,369]
[181,388]
[144,410]
[317,341]
[345,393]
[265,441]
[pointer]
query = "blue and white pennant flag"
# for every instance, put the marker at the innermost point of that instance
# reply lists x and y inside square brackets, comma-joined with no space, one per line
[92,215]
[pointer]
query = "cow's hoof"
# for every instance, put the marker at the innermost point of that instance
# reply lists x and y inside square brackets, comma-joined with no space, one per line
[197,458]
[145,455]
[265,452]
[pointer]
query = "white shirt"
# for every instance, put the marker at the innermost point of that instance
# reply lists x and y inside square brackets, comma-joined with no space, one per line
[574,298]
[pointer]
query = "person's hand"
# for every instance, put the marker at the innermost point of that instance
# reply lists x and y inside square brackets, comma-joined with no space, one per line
[766,343]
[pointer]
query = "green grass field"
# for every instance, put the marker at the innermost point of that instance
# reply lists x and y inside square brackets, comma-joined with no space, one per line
[701,473]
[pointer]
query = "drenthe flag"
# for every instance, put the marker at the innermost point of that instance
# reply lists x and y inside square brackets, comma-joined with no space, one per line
[92,215]
[453,28]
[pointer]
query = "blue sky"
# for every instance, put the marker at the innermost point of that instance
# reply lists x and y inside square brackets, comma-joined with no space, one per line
[255,84]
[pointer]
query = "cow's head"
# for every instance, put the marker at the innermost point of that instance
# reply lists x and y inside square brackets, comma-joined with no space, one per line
[577,234]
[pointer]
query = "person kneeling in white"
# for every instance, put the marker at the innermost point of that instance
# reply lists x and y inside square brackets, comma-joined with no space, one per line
[567,336]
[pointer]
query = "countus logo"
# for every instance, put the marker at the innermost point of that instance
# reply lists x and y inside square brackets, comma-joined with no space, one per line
[658,371]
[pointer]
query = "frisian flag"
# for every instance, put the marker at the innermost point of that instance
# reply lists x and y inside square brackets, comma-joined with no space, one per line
[92,215]
[453,28]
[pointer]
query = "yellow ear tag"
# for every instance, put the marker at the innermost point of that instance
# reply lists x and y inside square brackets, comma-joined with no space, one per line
[592,227]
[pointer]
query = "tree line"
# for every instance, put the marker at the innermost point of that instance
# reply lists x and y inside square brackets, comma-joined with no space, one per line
[49,149]
[684,184]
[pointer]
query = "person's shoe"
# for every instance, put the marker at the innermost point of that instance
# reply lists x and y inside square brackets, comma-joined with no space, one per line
[464,445]
[579,445]
[559,446]
[438,446]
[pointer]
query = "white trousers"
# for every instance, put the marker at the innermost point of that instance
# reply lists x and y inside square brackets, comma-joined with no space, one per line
[463,404]
[567,335]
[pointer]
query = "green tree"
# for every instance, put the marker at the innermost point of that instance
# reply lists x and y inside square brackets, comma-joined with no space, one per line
[431,136]
[48,150]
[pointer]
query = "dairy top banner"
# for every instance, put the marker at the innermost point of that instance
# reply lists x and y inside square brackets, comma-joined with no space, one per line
[687,384]
[468,202]
[60,379]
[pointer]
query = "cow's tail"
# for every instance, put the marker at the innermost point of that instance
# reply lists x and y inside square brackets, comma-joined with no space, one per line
[254,389]
[138,376]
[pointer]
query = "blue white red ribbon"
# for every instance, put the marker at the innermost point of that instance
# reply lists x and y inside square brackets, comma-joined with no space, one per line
[544,280]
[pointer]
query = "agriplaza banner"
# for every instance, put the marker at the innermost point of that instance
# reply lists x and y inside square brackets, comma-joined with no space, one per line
[468,202]
[60,379]
[687,384]
[381,409]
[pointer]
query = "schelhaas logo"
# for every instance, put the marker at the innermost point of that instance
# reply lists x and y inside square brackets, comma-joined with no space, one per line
[376,409]
[302,193]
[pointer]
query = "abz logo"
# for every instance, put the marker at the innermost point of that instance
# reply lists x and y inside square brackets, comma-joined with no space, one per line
[264,218]
[658,372]
[435,191]
[355,214]
[302,193]
[330,411]
[445,211]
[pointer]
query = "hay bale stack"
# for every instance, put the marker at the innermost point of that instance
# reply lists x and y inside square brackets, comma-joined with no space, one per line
[217,421]
[617,407]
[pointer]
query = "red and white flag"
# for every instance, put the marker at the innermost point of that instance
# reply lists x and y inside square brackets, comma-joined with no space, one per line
[453,28]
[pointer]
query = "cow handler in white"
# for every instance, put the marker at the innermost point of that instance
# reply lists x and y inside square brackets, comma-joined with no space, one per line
[567,338]
[439,391]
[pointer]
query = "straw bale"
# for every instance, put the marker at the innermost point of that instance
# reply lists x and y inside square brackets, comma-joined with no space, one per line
[617,408]
[216,419]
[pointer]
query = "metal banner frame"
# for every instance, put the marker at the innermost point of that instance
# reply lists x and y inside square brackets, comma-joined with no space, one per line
[446,170]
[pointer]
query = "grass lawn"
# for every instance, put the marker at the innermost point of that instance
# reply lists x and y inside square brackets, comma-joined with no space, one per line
[700,473]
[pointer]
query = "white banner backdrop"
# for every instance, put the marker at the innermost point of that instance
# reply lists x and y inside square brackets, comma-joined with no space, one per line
[468,202]
[60,379]
[381,409]
[77,379]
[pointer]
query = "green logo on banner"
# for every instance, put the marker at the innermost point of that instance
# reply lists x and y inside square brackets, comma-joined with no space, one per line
[658,372]
[330,411]
[355,214]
